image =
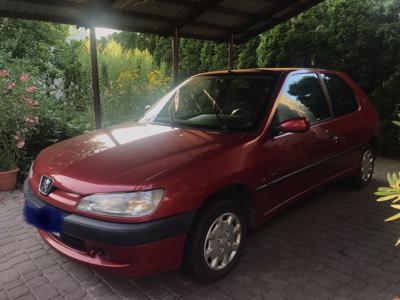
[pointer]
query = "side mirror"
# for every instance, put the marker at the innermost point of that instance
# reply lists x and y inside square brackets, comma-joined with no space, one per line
[147,107]
[295,125]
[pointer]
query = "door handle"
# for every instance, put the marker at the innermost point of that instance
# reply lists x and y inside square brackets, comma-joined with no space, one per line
[335,138]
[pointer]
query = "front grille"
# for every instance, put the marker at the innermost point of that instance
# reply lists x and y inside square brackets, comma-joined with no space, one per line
[70,241]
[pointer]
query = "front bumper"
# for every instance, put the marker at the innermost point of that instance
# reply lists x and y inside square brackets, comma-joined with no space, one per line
[133,249]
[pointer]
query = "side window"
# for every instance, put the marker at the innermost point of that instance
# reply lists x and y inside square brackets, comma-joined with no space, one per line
[342,96]
[303,97]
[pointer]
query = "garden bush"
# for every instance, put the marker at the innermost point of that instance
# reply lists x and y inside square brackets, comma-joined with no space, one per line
[392,192]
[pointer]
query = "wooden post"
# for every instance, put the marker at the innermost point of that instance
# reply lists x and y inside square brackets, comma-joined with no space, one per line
[231,53]
[175,56]
[95,77]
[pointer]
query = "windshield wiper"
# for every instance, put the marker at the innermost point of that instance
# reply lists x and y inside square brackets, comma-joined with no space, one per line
[217,109]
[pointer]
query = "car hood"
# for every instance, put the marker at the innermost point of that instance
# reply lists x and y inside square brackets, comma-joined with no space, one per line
[121,157]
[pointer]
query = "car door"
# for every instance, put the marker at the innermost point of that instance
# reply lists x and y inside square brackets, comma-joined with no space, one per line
[348,124]
[290,162]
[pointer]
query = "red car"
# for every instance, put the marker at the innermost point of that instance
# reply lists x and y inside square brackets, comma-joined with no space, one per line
[217,155]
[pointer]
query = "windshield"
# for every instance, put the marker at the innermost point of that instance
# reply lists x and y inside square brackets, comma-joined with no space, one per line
[215,103]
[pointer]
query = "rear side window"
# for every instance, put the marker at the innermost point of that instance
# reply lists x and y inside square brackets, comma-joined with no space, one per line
[303,97]
[343,98]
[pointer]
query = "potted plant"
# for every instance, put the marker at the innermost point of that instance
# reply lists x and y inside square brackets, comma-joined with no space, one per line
[17,119]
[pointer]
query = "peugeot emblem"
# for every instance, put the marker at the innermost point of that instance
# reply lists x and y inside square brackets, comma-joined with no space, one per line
[45,185]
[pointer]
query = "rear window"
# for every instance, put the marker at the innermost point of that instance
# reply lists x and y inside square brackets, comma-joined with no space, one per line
[343,98]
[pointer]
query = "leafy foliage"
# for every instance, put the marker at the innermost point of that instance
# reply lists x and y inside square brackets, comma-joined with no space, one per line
[129,80]
[391,193]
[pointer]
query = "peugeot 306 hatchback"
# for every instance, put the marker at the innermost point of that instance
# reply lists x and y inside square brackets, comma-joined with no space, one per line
[217,155]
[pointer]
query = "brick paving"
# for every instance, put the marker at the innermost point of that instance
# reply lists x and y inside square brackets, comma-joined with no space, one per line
[332,245]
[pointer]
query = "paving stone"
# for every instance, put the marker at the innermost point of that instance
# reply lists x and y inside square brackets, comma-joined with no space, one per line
[8,275]
[13,284]
[25,267]
[37,281]
[45,291]
[318,291]
[66,285]
[57,274]
[45,261]
[17,292]
[99,290]
[126,289]
[80,272]
[76,294]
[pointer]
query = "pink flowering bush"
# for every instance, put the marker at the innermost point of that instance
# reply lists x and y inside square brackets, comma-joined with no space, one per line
[19,116]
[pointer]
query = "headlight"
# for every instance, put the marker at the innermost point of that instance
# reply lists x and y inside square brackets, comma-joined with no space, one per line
[30,174]
[136,204]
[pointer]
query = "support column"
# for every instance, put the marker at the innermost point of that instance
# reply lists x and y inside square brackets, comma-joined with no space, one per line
[231,53]
[175,56]
[95,77]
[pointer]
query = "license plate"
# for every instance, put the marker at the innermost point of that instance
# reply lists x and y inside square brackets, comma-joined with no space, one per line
[46,218]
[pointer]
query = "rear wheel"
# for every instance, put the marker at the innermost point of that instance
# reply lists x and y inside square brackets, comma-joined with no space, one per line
[365,169]
[215,242]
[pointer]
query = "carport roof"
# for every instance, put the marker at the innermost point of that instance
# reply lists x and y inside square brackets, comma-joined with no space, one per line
[214,20]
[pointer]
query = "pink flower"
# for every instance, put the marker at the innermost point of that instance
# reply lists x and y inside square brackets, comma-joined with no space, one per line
[4,73]
[20,144]
[11,86]
[32,103]
[31,89]
[24,77]
[20,141]
[32,120]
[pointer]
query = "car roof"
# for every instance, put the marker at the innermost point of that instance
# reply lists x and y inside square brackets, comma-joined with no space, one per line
[259,71]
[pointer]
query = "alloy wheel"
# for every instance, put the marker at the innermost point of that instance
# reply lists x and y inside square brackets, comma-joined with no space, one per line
[367,165]
[222,241]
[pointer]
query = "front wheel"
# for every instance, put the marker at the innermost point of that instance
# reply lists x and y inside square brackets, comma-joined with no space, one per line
[365,169]
[216,240]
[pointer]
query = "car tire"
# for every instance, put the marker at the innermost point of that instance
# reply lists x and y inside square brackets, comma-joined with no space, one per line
[216,240]
[365,168]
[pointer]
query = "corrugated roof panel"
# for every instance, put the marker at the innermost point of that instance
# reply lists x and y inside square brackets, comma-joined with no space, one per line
[8,5]
[204,19]
[254,7]
[41,9]
[207,33]
[220,19]
[160,9]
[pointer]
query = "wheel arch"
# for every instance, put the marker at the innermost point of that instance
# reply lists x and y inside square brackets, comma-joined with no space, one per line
[375,144]
[238,192]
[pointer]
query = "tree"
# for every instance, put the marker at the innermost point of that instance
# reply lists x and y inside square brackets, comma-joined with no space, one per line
[42,44]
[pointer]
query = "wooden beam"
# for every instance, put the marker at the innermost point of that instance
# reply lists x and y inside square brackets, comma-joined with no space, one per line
[203,8]
[219,9]
[264,16]
[95,77]
[175,57]
[234,12]
[207,25]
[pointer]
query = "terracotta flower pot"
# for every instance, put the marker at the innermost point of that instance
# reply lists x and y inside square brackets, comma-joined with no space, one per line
[8,180]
